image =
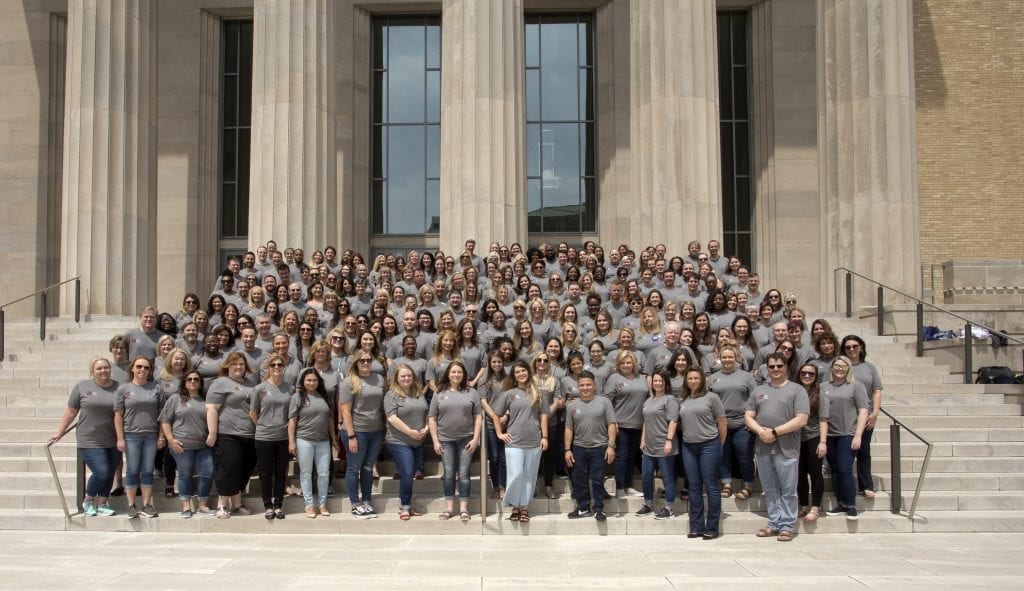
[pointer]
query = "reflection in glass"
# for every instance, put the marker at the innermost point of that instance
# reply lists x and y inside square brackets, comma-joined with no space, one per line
[734,89]
[560,134]
[406,115]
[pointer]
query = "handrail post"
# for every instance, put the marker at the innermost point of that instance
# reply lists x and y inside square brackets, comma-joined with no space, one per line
[896,494]
[78,301]
[920,329]
[2,335]
[881,311]
[483,475]
[79,480]
[968,353]
[849,294]
[42,316]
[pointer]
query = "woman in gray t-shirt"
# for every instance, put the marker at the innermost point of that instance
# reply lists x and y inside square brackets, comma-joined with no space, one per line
[848,414]
[704,426]
[361,406]
[311,436]
[657,441]
[268,409]
[455,423]
[92,402]
[136,421]
[525,435]
[810,485]
[406,411]
[183,424]
[232,432]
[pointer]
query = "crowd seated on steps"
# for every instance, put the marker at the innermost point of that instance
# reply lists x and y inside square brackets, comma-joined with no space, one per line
[679,364]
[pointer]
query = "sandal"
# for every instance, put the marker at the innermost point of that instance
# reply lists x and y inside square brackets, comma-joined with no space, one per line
[743,494]
[222,513]
[869,494]
[766,532]
[464,516]
[415,513]
[279,513]
[524,516]
[726,491]
[812,515]
[444,515]
[403,515]
[785,536]
[269,515]
[514,515]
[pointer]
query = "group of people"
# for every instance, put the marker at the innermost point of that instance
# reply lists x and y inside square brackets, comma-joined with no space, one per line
[567,360]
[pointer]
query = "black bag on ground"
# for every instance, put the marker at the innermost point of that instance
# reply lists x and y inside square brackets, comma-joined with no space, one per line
[995,374]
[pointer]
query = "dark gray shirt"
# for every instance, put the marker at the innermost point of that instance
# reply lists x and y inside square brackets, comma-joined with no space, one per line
[733,389]
[187,421]
[455,411]
[141,343]
[270,403]
[845,401]
[589,420]
[95,405]
[140,407]
[659,411]
[775,406]
[524,418]
[234,401]
[412,412]
[698,418]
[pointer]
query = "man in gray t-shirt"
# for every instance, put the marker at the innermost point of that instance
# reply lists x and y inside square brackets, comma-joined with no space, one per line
[776,412]
[590,433]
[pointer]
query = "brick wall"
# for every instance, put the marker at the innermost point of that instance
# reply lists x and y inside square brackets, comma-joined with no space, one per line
[969,71]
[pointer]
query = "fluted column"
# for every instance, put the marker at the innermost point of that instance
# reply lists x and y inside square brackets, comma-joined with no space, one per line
[292,178]
[867,140]
[482,123]
[676,159]
[108,231]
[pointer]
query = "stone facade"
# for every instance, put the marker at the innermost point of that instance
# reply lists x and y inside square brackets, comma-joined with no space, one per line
[848,117]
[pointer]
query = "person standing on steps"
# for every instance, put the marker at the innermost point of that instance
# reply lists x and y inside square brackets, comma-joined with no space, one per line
[455,421]
[268,409]
[232,434]
[183,423]
[311,436]
[848,416]
[866,374]
[406,411]
[525,437]
[776,413]
[136,421]
[590,435]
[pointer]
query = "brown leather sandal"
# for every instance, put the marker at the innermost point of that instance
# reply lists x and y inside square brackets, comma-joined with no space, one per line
[524,515]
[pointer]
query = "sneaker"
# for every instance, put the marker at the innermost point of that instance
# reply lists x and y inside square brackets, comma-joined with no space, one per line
[620,494]
[663,513]
[359,512]
[89,508]
[132,512]
[186,514]
[105,510]
[149,511]
[600,516]
[205,511]
[311,512]
[578,513]
[851,514]
[330,491]
[644,511]
[838,509]
[368,511]
[632,492]
[419,475]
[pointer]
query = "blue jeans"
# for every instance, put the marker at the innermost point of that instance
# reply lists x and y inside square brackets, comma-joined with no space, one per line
[310,453]
[139,460]
[739,442]
[627,452]
[522,467]
[779,478]
[406,460]
[864,479]
[201,461]
[701,461]
[456,459]
[588,477]
[840,464]
[496,459]
[667,465]
[359,473]
[101,462]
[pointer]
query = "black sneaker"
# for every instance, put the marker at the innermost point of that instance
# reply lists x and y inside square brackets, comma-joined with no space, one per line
[837,510]
[851,514]
[359,512]
[600,516]
[644,511]
[579,512]
[132,512]
[663,513]
[148,511]
[368,511]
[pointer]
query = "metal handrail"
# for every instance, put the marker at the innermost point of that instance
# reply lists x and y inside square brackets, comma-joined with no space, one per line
[42,308]
[484,480]
[79,473]
[920,304]
[896,493]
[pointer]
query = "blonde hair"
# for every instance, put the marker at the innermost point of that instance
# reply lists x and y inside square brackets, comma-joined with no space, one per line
[92,365]
[164,373]
[415,390]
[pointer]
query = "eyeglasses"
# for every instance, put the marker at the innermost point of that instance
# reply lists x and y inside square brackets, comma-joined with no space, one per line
[790,301]
[194,379]
[335,338]
[841,367]
[141,367]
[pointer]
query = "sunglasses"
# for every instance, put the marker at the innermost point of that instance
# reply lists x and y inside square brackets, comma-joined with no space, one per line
[776,367]
[194,379]
[808,374]
[279,364]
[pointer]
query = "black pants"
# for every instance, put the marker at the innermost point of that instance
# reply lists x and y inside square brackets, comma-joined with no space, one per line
[810,472]
[273,469]
[234,458]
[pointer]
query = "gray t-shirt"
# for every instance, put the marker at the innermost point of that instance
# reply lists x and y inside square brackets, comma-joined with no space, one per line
[141,343]
[313,417]
[524,418]
[867,376]
[589,420]
[698,417]
[411,411]
[234,401]
[775,406]
[140,407]
[95,405]
[455,411]
[844,402]
[187,421]
[418,366]
[270,402]
[733,389]
[659,411]
[627,396]
[367,407]
[658,358]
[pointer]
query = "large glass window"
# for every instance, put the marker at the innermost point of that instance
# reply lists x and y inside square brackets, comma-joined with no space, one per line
[406,125]
[734,117]
[236,117]
[560,136]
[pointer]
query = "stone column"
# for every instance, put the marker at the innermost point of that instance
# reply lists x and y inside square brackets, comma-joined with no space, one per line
[676,158]
[292,175]
[867,141]
[109,225]
[482,124]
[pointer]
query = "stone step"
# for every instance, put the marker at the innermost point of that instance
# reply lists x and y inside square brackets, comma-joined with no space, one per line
[945,409]
[963,481]
[48,412]
[954,422]
[1001,434]
[890,398]
[39,396]
[950,465]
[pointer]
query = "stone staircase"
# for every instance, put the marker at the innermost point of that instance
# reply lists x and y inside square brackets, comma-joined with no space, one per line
[973,484]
